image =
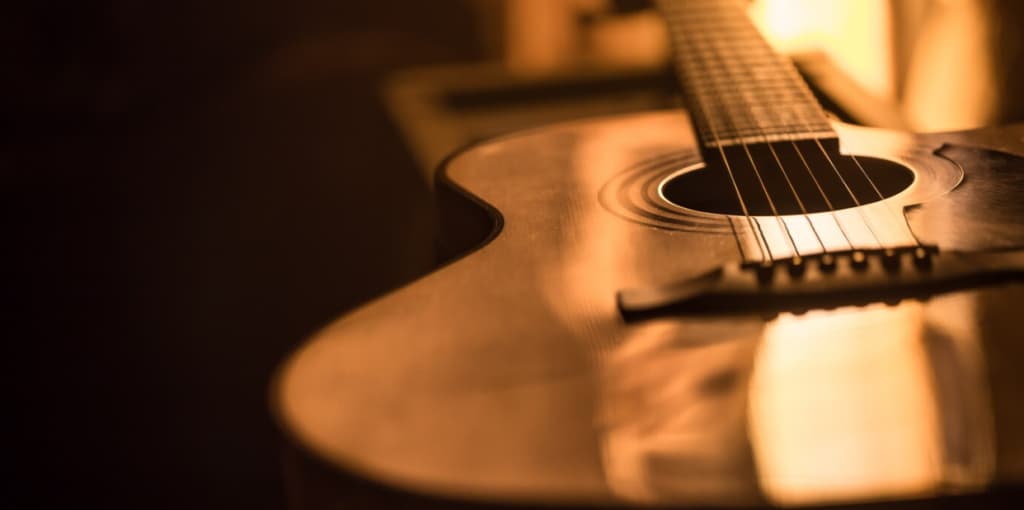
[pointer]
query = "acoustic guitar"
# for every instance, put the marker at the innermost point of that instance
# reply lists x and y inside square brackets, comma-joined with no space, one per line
[742,304]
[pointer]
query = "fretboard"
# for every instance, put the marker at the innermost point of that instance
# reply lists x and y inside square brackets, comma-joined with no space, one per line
[738,90]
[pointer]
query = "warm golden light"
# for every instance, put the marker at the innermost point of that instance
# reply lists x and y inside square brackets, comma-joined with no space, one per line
[944,54]
[842,407]
[855,34]
[952,65]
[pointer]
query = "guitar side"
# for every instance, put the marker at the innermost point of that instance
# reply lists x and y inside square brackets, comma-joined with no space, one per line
[510,376]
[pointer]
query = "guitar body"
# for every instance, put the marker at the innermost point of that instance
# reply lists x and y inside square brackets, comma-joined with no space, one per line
[511,376]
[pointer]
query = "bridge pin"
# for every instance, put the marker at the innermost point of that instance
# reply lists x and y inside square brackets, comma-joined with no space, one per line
[891,260]
[859,259]
[922,259]
[828,262]
[796,266]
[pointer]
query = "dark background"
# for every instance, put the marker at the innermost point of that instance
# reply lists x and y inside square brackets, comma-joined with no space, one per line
[190,188]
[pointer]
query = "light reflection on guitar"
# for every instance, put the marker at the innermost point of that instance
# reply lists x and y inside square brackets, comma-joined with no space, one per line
[744,304]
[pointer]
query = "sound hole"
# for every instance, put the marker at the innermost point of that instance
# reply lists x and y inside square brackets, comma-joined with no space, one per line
[810,173]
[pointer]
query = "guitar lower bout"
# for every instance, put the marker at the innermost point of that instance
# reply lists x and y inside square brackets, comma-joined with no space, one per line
[511,376]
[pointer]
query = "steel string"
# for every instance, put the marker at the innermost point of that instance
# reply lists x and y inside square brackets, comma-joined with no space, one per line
[800,115]
[762,241]
[747,111]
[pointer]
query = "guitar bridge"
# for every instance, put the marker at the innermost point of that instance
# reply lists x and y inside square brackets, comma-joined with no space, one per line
[831,280]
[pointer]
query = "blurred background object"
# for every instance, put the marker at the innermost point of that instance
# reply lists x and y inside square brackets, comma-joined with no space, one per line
[193,188]
[922,65]
[956,56]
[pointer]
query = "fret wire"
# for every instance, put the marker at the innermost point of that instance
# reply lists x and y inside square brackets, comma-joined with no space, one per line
[770,75]
[754,92]
[774,92]
[713,77]
[734,44]
[782,104]
[793,92]
[762,59]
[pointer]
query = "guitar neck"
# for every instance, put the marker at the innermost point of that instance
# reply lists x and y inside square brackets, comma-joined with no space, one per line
[738,90]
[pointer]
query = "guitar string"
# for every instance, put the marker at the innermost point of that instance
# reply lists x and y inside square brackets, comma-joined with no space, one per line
[748,113]
[898,218]
[810,172]
[718,16]
[856,201]
[759,236]
[746,149]
[788,93]
[807,167]
[824,196]
[744,23]
[817,141]
[867,176]
[783,227]
[762,241]
[799,114]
